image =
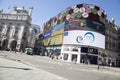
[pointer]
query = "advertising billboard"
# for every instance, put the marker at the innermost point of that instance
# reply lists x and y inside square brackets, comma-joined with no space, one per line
[75,24]
[47,35]
[87,38]
[81,11]
[46,42]
[59,27]
[85,24]
[80,16]
[57,32]
[57,40]
[95,26]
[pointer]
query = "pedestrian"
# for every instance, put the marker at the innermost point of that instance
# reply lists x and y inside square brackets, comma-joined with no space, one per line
[0,48]
[75,60]
[15,50]
[88,61]
[110,64]
[99,64]
[10,49]
[98,67]
[52,56]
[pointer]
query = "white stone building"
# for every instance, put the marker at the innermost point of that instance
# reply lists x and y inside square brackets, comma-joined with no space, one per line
[14,28]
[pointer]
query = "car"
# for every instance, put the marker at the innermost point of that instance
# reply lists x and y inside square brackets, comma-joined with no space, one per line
[28,51]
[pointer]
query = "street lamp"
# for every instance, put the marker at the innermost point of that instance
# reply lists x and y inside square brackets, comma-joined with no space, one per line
[98,62]
[87,55]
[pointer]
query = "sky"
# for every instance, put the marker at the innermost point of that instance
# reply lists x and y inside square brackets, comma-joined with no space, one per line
[46,9]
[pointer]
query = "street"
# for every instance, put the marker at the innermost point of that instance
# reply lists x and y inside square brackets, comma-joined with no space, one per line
[69,71]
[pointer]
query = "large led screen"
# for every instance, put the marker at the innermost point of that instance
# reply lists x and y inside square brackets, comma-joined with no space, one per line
[75,24]
[58,29]
[81,11]
[88,38]
[95,26]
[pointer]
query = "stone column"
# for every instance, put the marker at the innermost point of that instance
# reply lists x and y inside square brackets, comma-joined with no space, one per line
[18,46]
[13,31]
[78,56]
[69,55]
[9,44]
[21,32]
[4,31]
[20,35]
[61,54]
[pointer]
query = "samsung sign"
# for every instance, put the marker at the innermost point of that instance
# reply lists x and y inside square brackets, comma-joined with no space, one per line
[47,34]
[80,37]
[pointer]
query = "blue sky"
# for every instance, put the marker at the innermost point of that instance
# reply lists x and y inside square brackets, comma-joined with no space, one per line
[46,9]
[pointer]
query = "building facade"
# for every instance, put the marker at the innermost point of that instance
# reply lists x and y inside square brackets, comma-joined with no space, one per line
[34,30]
[14,28]
[119,47]
[38,46]
[111,42]
[76,34]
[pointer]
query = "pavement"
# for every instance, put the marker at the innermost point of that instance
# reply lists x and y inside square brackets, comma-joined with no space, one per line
[54,68]
[14,70]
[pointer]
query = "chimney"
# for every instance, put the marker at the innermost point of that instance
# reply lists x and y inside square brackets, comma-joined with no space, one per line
[113,20]
[30,11]
[23,7]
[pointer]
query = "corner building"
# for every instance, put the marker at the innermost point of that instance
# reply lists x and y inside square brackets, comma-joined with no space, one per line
[14,28]
[76,34]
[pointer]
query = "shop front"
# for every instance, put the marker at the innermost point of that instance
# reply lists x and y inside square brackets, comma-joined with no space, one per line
[82,46]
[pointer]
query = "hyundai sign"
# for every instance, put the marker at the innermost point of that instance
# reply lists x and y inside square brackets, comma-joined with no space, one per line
[79,37]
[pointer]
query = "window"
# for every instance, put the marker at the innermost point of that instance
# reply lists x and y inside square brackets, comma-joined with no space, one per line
[2,22]
[65,57]
[75,50]
[18,24]
[66,49]
[84,49]
[89,50]
[1,28]
[10,23]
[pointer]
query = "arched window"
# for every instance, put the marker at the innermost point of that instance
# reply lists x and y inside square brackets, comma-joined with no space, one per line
[13,44]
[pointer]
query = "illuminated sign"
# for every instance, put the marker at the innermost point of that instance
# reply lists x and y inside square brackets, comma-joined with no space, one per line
[80,37]
[56,40]
[79,11]
[88,37]
[57,32]
[47,34]
[74,24]
[59,27]
[95,26]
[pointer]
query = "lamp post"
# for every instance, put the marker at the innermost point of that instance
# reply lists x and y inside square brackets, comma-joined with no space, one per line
[0,41]
[87,55]
[98,63]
